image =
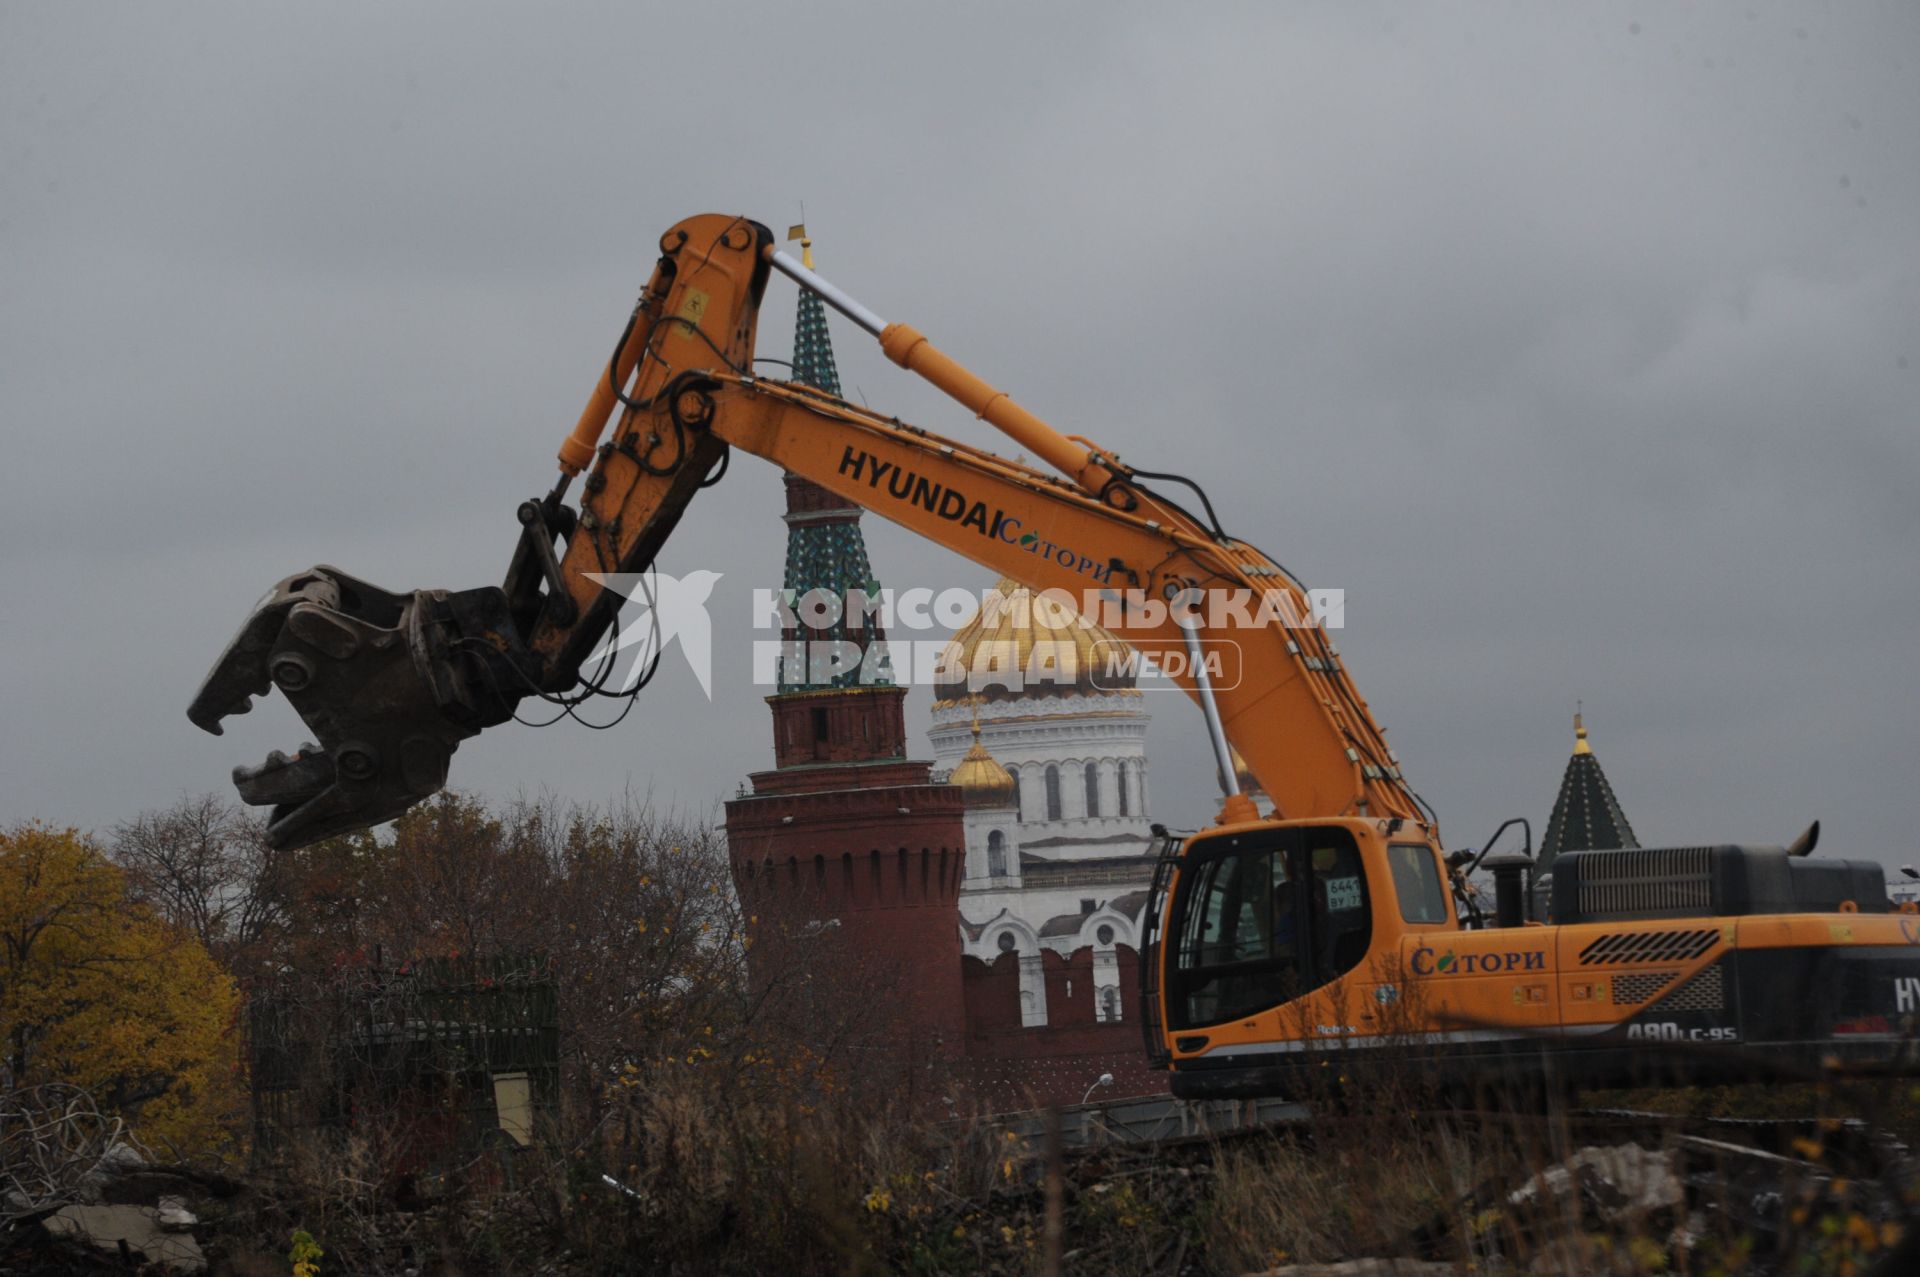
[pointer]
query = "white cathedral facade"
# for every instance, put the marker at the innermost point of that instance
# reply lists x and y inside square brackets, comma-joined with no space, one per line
[1055,769]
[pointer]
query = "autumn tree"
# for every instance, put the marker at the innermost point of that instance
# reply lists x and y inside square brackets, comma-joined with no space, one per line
[330,893]
[99,991]
[204,866]
[451,877]
[647,917]
[633,907]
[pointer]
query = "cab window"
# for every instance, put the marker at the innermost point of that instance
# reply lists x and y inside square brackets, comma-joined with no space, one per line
[1416,881]
[1262,924]
[1239,948]
[1342,919]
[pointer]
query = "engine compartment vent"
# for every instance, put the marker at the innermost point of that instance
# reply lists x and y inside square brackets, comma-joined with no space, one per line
[1632,990]
[1707,991]
[1648,883]
[1649,946]
[1723,881]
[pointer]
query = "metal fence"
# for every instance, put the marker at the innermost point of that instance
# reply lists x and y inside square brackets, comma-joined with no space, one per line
[431,1059]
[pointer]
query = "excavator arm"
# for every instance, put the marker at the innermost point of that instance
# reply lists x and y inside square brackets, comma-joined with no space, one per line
[390,684]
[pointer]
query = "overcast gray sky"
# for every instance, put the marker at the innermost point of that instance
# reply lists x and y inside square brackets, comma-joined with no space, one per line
[1579,344]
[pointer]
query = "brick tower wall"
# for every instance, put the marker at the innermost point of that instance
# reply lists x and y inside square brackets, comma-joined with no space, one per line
[887,878]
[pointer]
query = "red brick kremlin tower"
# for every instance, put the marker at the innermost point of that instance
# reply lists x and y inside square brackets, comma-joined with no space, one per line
[846,840]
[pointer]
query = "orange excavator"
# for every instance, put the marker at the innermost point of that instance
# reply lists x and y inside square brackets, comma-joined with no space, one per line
[1340,923]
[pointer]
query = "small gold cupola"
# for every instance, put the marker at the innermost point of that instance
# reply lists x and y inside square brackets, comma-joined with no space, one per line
[986,782]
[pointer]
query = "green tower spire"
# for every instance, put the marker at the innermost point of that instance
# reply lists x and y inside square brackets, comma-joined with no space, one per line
[825,549]
[812,350]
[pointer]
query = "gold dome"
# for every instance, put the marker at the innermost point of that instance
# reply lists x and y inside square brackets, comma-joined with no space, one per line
[1243,774]
[987,783]
[994,653]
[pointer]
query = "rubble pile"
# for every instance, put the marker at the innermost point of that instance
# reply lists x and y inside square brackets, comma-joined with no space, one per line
[1678,1201]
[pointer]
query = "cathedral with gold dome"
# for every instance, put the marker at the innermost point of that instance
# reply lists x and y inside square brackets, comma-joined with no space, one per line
[1050,749]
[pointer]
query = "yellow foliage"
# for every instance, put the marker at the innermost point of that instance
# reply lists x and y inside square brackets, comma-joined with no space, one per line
[96,992]
[305,1255]
[1648,1255]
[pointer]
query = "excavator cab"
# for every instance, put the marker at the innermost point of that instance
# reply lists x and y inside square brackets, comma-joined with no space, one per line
[1272,936]
[1273,912]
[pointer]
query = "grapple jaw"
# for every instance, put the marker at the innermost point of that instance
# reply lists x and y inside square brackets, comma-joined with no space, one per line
[389,684]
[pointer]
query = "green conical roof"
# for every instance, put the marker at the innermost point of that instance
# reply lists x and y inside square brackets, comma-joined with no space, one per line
[825,548]
[1586,816]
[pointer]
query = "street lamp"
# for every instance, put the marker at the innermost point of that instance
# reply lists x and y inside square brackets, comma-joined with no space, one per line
[1105,1079]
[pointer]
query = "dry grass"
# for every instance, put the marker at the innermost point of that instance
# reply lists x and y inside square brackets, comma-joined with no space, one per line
[1276,1202]
[798,1175]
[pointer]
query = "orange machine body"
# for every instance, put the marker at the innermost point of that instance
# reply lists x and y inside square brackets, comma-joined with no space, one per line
[1363,968]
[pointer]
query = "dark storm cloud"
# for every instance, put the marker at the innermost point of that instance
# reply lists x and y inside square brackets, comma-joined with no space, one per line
[1582,347]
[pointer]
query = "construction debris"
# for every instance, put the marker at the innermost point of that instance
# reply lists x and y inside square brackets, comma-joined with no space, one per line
[130,1232]
[1623,1182]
